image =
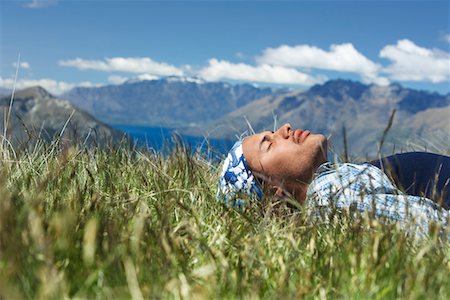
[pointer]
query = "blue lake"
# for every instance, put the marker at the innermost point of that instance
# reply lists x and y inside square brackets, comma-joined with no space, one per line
[160,138]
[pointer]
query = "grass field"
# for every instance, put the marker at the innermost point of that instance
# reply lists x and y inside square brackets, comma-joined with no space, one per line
[121,223]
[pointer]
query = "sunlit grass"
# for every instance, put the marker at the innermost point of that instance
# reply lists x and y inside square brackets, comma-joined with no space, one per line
[121,223]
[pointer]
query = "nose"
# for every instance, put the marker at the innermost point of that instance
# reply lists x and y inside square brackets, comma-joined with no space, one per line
[284,130]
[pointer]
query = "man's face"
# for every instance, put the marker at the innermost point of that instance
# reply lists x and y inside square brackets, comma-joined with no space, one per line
[285,157]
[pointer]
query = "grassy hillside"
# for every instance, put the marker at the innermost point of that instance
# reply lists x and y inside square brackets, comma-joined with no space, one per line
[122,223]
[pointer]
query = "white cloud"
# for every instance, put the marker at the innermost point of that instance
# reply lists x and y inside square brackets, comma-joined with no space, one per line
[147,77]
[137,65]
[413,63]
[374,78]
[40,3]
[53,86]
[114,79]
[22,65]
[340,58]
[221,69]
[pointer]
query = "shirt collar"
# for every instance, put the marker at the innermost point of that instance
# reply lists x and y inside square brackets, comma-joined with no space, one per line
[325,167]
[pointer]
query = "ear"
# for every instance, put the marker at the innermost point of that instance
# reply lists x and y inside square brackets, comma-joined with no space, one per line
[279,192]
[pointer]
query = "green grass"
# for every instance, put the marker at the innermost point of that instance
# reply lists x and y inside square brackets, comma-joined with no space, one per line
[119,223]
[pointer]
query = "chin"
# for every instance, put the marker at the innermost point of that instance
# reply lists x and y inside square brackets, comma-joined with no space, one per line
[320,140]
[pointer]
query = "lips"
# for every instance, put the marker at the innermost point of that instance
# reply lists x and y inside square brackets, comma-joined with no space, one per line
[300,135]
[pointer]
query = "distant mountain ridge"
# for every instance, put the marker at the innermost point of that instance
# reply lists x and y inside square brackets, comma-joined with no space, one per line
[37,114]
[4,92]
[222,110]
[364,110]
[168,102]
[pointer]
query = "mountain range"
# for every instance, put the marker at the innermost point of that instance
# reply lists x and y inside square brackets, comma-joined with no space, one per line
[36,114]
[4,92]
[226,111]
[169,102]
[222,110]
[421,120]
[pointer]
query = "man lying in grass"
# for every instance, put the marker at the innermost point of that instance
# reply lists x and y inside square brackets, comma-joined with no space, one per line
[292,163]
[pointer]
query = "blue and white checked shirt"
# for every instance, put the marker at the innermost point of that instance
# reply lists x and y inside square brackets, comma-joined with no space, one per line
[367,189]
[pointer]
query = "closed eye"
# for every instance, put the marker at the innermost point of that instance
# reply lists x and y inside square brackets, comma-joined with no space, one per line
[266,138]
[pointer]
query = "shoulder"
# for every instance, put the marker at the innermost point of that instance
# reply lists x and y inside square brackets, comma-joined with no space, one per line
[332,180]
[346,171]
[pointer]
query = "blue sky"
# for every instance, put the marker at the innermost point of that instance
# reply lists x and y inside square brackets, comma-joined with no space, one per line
[63,44]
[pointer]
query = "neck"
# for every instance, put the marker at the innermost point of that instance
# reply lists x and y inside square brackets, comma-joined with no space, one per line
[299,192]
